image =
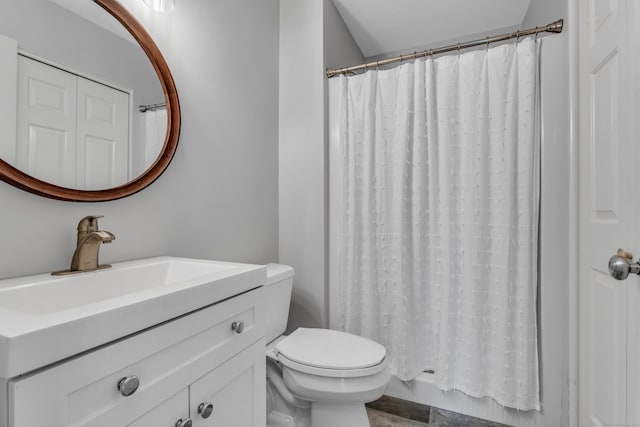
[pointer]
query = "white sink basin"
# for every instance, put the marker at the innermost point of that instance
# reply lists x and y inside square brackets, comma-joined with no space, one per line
[40,295]
[45,318]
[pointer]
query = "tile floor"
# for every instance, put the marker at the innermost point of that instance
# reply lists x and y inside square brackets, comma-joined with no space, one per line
[391,412]
[385,419]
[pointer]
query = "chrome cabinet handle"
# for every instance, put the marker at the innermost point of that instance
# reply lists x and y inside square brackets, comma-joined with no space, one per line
[205,410]
[128,385]
[184,423]
[237,327]
[621,264]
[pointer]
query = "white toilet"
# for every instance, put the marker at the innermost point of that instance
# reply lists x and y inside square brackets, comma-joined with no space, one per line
[317,377]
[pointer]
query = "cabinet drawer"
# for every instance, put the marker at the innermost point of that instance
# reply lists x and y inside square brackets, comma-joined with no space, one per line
[167,358]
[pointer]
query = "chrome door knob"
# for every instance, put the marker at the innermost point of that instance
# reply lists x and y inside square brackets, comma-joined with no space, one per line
[205,410]
[184,423]
[128,385]
[237,327]
[620,265]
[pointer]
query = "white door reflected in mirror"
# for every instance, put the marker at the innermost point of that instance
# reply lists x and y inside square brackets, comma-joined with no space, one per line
[76,122]
[71,130]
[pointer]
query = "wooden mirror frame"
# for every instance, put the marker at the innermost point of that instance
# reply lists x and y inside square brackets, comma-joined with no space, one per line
[28,183]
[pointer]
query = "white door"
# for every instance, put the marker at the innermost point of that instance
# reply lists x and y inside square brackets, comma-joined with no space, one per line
[103,136]
[46,130]
[609,189]
[71,131]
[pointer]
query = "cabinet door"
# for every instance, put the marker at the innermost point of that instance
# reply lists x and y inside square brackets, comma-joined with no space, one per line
[167,413]
[236,389]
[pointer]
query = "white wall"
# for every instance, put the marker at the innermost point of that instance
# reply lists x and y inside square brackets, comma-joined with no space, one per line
[555,213]
[218,198]
[340,49]
[301,159]
[312,37]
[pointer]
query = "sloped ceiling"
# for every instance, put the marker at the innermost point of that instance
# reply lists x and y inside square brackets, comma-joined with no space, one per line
[385,26]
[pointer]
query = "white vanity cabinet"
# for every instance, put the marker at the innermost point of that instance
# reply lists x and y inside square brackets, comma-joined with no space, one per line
[175,408]
[196,359]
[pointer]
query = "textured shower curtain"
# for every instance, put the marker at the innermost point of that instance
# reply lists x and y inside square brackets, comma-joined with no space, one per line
[439,225]
[155,130]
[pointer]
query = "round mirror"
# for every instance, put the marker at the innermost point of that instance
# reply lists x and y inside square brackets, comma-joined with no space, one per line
[88,107]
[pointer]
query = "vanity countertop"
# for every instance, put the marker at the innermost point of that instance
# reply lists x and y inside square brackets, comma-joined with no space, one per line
[45,319]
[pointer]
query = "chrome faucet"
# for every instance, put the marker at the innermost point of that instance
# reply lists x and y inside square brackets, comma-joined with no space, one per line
[85,257]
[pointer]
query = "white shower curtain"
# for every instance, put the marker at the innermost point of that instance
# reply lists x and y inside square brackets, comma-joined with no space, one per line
[439,225]
[155,130]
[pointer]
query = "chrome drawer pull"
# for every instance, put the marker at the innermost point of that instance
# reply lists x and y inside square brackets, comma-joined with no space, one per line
[128,385]
[205,410]
[237,327]
[184,423]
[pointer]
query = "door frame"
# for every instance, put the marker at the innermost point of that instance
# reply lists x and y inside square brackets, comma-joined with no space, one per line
[574,213]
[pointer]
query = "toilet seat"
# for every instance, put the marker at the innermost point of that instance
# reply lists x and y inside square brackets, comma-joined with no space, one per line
[330,353]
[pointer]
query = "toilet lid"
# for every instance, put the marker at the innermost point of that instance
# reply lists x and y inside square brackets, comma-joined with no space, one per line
[328,349]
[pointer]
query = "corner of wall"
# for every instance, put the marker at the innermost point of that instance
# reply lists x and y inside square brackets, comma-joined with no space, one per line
[542,12]
[310,40]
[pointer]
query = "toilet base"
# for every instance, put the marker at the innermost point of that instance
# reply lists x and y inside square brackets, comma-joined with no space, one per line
[339,414]
[290,417]
[282,414]
[279,419]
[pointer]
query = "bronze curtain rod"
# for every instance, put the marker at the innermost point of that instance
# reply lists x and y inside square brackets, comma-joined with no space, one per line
[152,107]
[555,27]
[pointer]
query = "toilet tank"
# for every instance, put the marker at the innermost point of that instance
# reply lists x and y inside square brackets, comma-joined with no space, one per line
[277,299]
